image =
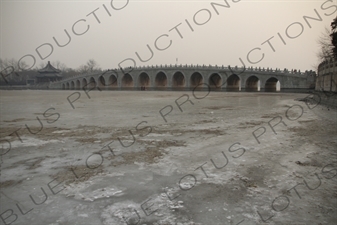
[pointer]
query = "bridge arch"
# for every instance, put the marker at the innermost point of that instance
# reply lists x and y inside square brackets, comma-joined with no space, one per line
[252,83]
[67,86]
[144,80]
[63,86]
[215,80]
[112,81]
[101,82]
[233,83]
[127,81]
[178,80]
[272,84]
[196,80]
[78,85]
[72,85]
[92,83]
[84,83]
[161,80]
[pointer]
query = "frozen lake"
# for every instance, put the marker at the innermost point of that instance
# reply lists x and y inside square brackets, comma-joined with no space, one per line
[127,157]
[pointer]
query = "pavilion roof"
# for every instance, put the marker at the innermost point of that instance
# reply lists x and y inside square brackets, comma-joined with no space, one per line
[49,69]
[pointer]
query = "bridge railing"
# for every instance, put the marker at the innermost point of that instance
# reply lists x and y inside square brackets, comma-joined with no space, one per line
[211,67]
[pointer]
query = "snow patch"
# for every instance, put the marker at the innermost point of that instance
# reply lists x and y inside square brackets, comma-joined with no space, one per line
[29,141]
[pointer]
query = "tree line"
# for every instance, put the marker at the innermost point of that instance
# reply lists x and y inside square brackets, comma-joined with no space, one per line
[22,73]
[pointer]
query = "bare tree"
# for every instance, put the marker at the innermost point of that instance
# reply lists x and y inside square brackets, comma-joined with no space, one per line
[90,66]
[324,42]
[93,66]
[40,66]
[2,67]
[333,36]
[11,67]
[22,66]
[82,69]
[59,65]
[18,66]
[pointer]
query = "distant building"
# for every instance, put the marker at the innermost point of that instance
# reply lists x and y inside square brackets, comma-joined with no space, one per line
[47,74]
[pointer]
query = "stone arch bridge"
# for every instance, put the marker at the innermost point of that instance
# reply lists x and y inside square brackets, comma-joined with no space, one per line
[174,77]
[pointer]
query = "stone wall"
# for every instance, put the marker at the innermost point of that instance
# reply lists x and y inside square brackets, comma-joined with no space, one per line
[327,76]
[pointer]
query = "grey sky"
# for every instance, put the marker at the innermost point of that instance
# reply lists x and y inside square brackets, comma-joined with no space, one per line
[26,25]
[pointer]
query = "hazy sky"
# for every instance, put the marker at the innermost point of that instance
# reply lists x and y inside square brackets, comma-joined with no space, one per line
[221,35]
